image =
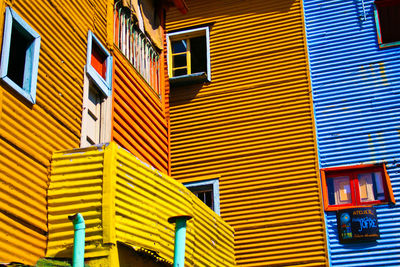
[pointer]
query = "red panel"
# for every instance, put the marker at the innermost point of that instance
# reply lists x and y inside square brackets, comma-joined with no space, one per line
[98,60]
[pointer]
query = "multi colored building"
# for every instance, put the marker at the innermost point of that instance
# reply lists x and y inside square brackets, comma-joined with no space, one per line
[84,128]
[354,65]
[242,126]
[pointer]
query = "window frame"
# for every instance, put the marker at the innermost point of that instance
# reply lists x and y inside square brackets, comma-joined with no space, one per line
[184,35]
[352,172]
[105,85]
[28,89]
[378,31]
[215,189]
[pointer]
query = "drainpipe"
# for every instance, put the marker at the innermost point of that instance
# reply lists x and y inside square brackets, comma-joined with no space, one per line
[79,240]
[180,238]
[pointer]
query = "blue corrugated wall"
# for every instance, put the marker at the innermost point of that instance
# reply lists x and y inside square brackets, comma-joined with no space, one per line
[356,94]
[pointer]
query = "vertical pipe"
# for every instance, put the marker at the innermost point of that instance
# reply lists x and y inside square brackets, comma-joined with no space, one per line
[79,240]
[180,239]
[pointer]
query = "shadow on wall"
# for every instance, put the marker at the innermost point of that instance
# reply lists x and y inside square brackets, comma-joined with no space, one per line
[184,94]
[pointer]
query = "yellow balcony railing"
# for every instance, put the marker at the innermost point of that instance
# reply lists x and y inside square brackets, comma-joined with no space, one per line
[125,201]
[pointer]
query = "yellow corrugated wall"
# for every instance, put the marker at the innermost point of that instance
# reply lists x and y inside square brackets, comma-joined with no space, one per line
[30,133]
[76,186]
[125,200]
[253,126]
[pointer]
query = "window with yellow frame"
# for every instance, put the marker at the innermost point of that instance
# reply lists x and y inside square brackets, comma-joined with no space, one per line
[189,55]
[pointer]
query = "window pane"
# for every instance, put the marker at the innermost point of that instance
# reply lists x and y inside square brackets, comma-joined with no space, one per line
[179,61]
[180,72]
[198,54]
[372,184]
[340,190]
[366,187]
[209,199]
[179,46]
[18,48]
[99,60]
[205,194]
[379,189]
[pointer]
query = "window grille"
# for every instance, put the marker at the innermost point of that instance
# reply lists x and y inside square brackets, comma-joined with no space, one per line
[136,46]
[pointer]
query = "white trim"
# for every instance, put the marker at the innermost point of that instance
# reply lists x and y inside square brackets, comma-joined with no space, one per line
[105,119]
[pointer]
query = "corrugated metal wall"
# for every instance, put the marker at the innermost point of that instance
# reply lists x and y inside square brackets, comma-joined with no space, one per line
[76,184]
[356,90]
[109,183]
[253,126]
[139,122]
[29,134]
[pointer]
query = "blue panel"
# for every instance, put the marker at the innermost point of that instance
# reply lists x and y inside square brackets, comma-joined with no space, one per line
[356,94]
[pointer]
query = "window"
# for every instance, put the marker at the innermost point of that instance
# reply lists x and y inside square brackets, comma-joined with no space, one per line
[345,187]
[189,55]
[207,191]
[97,89]
[99,64]
[20,56]
[135,44]
[387,21]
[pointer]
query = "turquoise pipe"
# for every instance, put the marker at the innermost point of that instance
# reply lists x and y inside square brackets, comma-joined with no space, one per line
[79,240]
[180,239]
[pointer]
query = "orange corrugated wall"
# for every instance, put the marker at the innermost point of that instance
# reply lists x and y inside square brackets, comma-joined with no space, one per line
[139,120]
[30,133]
[253,127]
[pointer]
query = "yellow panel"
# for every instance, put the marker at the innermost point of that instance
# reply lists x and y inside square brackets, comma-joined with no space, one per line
[252,126]
[76,186]
[143,201]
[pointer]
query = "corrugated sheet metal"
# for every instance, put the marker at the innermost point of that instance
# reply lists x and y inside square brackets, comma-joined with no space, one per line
[85,180]
[15,236]
[139,122]
[253,126]
[29,134]
[356,90]
[76,184]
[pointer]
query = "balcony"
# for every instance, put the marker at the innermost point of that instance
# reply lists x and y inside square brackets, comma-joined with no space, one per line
[136,47]
[127,203]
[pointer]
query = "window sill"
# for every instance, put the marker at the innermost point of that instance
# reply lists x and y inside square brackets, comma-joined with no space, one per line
[388,45]
[183,80]
[336,208]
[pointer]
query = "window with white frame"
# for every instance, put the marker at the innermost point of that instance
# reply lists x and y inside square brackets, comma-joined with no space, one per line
[189,55]
[97,90]
[207,191]
[99,64]
[20,55]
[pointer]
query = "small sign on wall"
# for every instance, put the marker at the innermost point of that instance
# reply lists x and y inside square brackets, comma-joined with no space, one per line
[357,225]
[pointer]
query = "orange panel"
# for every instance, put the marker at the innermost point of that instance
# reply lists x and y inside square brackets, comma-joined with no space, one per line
[139,122]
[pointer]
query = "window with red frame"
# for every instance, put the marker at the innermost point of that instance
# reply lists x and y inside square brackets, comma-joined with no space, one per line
[352,186]
[387,18]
